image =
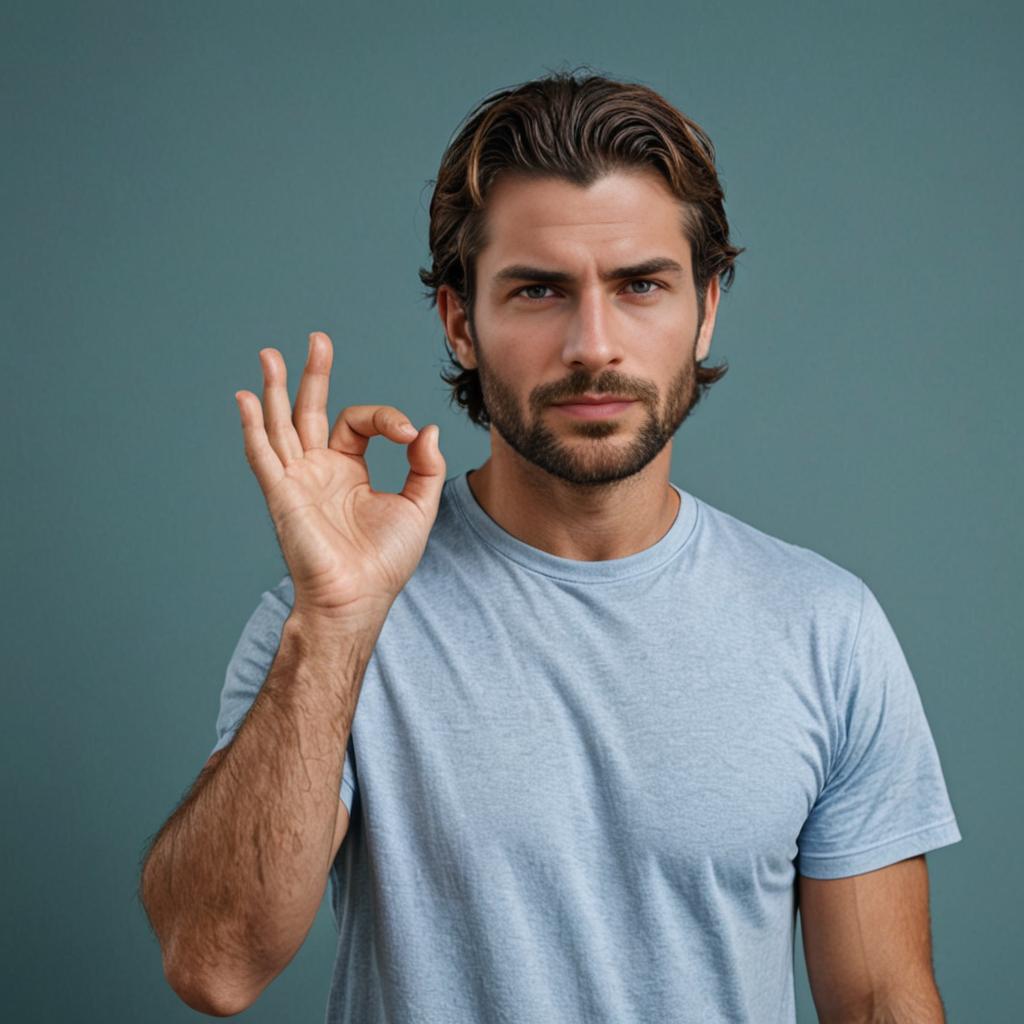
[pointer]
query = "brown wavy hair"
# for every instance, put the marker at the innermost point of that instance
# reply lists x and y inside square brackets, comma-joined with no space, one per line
[578,129]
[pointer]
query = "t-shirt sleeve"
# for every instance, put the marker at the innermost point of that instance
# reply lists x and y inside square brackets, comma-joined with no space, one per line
[250,665]
[884,798]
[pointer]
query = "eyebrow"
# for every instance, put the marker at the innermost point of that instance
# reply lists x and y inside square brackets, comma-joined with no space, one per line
[522,272]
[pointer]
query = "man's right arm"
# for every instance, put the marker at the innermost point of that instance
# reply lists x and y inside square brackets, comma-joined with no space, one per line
[235,877]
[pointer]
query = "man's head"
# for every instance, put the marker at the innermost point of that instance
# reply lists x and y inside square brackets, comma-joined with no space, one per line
[580,179]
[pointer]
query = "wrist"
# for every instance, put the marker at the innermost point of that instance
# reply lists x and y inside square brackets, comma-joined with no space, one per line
[359,611]
[316,629]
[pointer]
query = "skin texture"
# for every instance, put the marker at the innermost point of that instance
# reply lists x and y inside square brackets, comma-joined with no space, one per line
[867,942]
[549,475]
[235,877]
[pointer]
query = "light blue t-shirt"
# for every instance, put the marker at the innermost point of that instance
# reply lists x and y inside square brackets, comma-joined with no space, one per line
[582,791]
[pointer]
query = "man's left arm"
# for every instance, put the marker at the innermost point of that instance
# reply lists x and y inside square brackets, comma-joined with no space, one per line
[867,943]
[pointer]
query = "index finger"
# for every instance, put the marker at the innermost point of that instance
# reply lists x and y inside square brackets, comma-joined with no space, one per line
[356,424]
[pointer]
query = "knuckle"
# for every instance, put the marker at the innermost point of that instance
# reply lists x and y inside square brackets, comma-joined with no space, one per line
[382,415]
[365,418]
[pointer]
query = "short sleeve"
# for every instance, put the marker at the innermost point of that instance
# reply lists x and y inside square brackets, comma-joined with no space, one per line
[250,665]
[884,798]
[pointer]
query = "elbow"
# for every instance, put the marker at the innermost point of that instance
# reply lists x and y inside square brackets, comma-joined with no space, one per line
[921,1005]
[215,998]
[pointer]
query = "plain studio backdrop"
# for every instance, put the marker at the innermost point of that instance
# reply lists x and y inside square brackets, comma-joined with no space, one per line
[186,183]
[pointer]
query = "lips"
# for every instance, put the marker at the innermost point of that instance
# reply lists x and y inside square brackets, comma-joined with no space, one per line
[591,410]
[596,400]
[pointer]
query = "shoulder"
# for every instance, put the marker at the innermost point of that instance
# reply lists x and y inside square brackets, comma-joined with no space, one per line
[776,574]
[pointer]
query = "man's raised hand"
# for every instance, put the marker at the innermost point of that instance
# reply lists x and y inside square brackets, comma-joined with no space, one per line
[349,549]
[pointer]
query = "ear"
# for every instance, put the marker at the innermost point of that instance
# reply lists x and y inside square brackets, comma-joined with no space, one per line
[453,318]
[707,328]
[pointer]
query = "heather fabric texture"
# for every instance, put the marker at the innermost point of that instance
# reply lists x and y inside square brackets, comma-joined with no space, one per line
[582,791]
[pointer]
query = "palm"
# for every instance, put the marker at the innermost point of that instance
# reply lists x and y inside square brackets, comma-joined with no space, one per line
[365,542]
[345,543]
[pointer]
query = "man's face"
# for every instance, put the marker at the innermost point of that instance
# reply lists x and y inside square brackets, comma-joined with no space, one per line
[537,341]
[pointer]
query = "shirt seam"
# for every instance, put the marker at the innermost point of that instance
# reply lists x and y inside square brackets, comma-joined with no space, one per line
[804,852]
[841,690]
[573,579]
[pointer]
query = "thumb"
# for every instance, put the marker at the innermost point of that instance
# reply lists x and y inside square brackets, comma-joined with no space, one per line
[427,469]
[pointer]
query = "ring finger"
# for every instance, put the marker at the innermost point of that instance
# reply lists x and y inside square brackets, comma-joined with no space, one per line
[277,410]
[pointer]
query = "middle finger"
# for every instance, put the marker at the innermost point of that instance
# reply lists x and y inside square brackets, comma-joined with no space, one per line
[310,416]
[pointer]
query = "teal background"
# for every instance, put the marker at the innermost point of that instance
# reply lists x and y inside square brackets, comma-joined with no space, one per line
[186,183]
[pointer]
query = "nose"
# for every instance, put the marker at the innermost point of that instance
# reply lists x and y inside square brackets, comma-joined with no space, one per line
[590,339]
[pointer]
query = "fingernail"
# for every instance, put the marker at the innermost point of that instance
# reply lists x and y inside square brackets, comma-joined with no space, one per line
[407,428]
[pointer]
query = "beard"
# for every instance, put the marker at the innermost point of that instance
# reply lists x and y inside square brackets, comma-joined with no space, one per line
[589,452]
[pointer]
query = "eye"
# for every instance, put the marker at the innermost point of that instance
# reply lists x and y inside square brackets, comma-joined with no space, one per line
[645,281]
[528,288]
[543,287]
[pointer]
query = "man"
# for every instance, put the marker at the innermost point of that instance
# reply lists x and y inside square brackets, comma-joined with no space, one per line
[594,739]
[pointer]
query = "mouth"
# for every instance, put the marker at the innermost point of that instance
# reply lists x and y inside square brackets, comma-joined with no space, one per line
[595,400]
[595,407]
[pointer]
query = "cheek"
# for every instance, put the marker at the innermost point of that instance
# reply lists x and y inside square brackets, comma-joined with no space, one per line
[521,360]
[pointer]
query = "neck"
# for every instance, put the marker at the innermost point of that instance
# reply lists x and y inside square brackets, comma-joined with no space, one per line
[587,523]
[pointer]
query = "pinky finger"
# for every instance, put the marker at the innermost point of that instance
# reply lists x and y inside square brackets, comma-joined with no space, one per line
[260,454]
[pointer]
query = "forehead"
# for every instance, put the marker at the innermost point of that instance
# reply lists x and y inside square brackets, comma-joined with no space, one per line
[550,220]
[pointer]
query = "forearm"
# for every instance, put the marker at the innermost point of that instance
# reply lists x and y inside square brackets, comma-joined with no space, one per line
[235,878]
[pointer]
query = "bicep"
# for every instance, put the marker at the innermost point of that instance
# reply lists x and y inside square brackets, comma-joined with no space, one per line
[865,933]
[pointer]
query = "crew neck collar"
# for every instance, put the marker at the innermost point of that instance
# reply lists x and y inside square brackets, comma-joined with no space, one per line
[498,538]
